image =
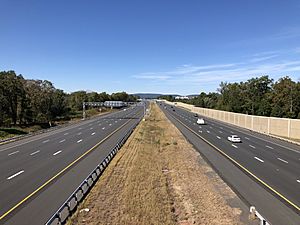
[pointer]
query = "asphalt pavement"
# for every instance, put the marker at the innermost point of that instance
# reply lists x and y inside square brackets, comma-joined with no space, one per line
[263,171]
[33,181]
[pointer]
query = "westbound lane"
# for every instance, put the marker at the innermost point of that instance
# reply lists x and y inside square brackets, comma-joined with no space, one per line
[264,160]
[52,156]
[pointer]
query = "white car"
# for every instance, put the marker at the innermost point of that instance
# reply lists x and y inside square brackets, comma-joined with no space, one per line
[200,121]
[234,138]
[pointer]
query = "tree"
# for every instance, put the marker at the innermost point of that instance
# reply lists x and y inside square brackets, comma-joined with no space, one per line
[76,99]
[285,98]
[256,89]
[12,91]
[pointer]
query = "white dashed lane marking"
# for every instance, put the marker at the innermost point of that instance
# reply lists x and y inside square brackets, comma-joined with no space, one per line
[79,133]
[13,153]
[93,133]
[220,132]
[269,147]
[247,138]
[66,133]
[251,146]
[35,152]
[16,174]
[103,128]
[258,159]
[79,141]
[46,141]
[298,181]
[218,137]
[200,131]
[282,160]
[56,153]
[62,141]
[234,146]
[91,128]
[208,131]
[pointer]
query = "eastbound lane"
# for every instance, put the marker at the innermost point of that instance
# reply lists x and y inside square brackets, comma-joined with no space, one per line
[276,163]
[35,161]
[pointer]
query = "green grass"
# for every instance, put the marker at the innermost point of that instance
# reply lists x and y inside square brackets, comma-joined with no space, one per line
[11,132]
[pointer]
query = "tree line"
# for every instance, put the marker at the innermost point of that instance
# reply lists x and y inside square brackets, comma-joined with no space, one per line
[257,96]
[25,101]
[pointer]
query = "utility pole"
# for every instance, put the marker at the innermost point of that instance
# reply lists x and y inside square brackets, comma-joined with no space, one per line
[83,111]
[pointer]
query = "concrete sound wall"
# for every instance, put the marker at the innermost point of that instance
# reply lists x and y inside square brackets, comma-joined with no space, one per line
[288,128]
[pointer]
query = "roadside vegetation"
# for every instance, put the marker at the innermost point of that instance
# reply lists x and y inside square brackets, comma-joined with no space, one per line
[158,178]
[257,96]
[27,105]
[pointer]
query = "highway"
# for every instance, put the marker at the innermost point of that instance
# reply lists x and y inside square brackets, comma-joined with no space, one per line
[263,171]
[37,174]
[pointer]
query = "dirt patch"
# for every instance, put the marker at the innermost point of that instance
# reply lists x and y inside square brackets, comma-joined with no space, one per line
[158,178]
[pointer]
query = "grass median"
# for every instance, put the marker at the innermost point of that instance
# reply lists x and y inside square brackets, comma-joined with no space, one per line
[158,178]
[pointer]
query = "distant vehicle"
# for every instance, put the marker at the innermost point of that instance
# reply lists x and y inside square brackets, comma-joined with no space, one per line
[173,110]
[195,115]
[234,138]
[172,107]
[200,121]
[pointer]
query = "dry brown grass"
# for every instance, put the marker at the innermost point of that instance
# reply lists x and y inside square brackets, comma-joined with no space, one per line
[158,178]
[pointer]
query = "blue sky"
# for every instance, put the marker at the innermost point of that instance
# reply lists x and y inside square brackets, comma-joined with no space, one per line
[169,46]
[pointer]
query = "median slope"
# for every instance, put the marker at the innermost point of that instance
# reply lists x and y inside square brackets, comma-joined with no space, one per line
[158,178]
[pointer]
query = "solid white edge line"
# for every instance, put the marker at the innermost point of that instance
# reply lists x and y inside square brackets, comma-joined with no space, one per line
[33,153]
[13,153]
[16,174]
[258,159]
[56,153]
[282,160]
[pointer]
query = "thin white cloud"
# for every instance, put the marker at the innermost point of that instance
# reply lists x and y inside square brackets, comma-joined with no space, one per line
[152,76]
[264,58]
[191,75]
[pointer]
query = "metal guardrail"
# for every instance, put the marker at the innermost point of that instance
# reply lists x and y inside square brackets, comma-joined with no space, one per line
[257,215]
[70,205]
